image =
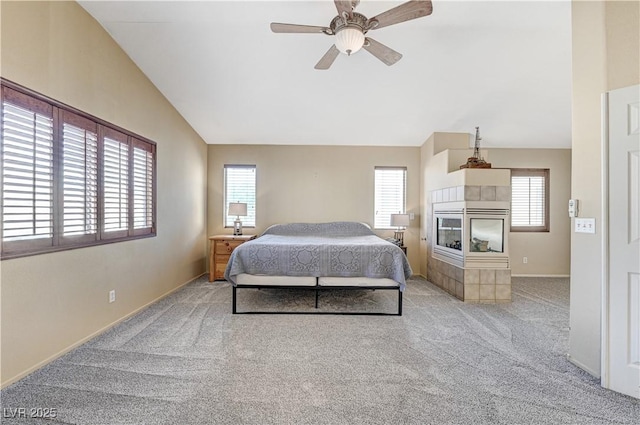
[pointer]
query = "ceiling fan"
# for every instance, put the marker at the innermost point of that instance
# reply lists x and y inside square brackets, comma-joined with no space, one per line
[350,28]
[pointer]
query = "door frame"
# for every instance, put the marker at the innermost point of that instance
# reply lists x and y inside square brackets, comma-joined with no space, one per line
[604,276]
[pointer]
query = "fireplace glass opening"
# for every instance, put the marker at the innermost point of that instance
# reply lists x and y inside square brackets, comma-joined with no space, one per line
[486,235]
[450,233]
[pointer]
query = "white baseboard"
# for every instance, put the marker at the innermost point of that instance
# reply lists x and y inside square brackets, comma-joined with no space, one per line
[583,367]
[514,275]
[91,336]
[540,275]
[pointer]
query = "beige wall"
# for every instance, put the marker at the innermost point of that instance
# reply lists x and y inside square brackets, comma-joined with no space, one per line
[606,46]
[433,171]
[314,184]
[548,253]
[51,302]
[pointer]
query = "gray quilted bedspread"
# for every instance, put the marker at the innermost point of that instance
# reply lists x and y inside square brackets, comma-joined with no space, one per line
[343,249]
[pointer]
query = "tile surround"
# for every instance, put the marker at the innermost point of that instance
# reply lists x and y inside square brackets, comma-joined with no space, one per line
[453,194]
[503,292]
[471,285]
[460,193]
[471,292]
[487,277]
[503,193]
[472,193]
[488,292]
[487,193]
[503,277]
[484,286]
[472,276]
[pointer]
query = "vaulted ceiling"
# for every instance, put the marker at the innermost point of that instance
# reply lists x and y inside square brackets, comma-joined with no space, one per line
[502,65]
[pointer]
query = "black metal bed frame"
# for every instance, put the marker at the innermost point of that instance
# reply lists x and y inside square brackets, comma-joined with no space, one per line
[317,288]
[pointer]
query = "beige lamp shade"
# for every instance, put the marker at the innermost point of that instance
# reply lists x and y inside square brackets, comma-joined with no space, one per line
[400,220]
[237,208]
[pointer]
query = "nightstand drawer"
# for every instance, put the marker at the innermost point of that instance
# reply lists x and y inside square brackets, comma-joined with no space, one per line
[219,269]
[222,259]
[227,246]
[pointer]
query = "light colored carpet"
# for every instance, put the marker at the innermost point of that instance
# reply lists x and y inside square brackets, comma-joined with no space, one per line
[187,360]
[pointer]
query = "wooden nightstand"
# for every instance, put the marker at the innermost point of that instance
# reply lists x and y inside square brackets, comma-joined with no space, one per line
[221,248]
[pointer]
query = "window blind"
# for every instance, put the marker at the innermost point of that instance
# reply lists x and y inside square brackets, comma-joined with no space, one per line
[390,194]
[240,186]
[142,187]
[116,185]
[529,199]
[27,172]
[79,177]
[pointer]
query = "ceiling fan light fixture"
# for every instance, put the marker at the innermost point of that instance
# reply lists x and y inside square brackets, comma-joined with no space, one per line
[349,40]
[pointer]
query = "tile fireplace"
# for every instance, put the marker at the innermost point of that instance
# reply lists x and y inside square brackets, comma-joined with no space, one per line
[469,245]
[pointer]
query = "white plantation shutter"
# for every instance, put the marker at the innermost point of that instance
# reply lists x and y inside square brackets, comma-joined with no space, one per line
[240,186]
[115,177]
[529,200]
[142,187]
[79,176]
[390,185]
[27,171]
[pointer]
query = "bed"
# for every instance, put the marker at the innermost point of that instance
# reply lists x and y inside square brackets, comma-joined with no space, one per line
[318,256]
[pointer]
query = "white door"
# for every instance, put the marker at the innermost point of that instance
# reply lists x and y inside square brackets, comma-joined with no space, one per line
[622,320]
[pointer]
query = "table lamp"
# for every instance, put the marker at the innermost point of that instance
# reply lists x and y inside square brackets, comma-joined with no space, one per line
[400,221]
[238,209]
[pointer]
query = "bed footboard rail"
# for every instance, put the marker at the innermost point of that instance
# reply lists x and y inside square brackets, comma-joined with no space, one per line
[317,289]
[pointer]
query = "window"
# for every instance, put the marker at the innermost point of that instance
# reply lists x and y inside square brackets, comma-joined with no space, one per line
[530,200]
[68,179]
[390,194]
[27,172]
[115,171]
[143,165]
[79,179]
[240,186]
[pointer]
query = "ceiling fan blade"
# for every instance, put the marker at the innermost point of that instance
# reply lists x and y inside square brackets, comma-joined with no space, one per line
[327,60]
[405,12]
[293,28]
[382,52]
[343,6]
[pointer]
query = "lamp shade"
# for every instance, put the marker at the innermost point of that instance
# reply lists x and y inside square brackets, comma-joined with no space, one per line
[400,220]
[237,208]
[349,40]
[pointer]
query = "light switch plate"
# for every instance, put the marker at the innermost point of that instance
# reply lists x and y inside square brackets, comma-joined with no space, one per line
[585,225]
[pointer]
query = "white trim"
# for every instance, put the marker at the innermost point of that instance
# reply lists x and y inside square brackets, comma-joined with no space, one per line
[78,343]
[539,275]
[604,277]
[582,366]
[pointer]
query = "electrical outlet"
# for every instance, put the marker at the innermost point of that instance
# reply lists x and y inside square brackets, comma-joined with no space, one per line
[112,295]
[525,260]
